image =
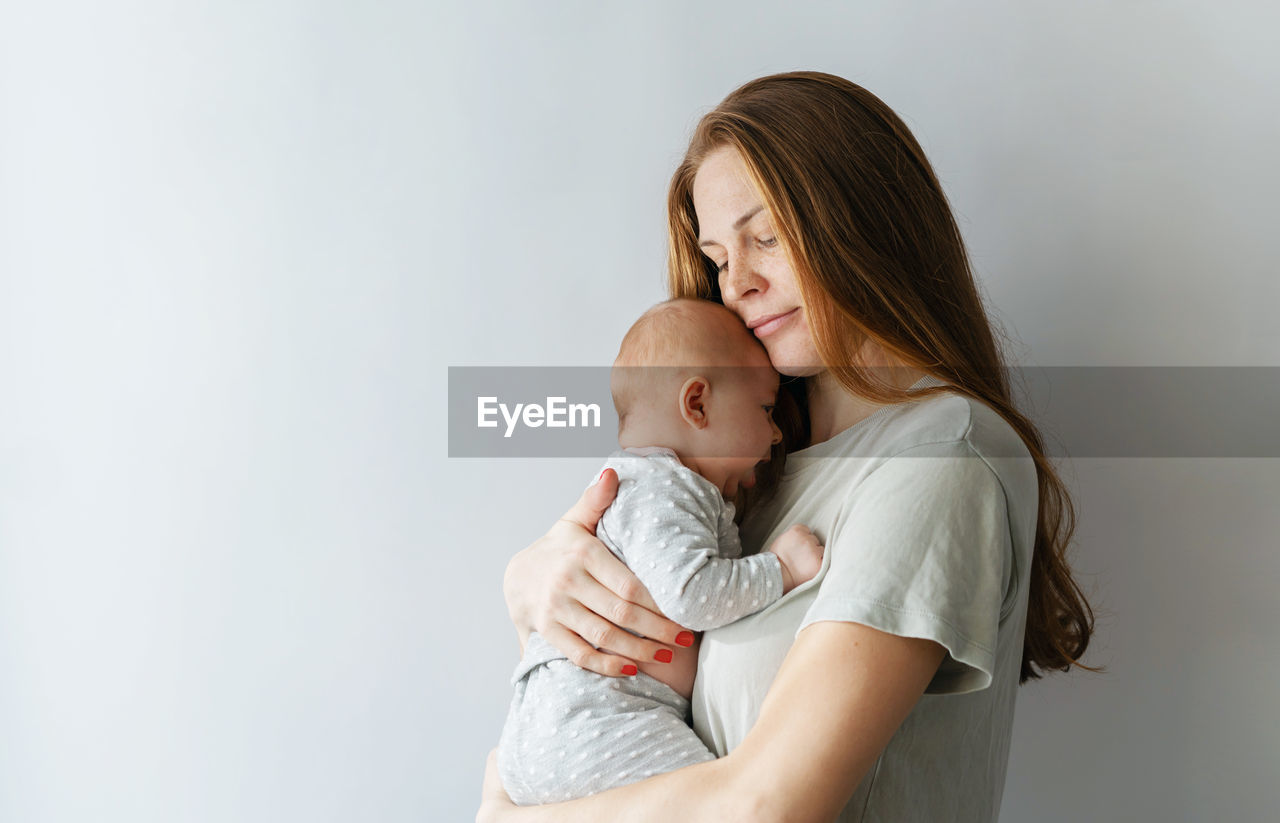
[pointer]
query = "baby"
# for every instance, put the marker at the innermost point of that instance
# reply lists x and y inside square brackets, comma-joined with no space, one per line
[694,393]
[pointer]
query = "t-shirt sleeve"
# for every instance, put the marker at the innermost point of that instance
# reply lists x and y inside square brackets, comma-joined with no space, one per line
[925,550]
[668,530]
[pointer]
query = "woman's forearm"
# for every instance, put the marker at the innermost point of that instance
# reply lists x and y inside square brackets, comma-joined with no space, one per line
[705,793]
[842,691]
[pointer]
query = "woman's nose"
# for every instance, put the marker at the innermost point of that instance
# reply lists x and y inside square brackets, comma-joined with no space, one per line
[739,279]
[777,432]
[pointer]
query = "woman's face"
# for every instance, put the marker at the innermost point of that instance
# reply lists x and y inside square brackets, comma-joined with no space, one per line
[756,279]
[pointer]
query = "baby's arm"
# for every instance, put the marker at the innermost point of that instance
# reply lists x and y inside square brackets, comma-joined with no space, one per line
[665,524]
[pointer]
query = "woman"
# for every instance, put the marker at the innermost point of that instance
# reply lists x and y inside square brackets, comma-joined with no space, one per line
[884,689]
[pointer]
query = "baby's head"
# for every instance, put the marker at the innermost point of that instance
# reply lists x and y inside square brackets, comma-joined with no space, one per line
[690,376]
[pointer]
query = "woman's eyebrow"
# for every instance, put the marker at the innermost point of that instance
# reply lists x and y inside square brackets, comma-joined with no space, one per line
[737,225]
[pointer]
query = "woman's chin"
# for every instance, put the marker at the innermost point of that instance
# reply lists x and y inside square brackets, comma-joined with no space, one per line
[792,353]
[796,369]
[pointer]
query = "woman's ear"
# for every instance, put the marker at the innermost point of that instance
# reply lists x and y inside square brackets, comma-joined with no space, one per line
[693,401]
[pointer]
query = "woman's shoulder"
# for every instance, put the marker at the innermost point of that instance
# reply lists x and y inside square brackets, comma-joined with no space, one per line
[953,425]
[949,421]
[945,424]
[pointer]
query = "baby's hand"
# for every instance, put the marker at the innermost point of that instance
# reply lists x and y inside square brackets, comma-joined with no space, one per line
[800,554]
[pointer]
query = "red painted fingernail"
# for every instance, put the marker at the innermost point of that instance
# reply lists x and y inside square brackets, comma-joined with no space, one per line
[684,639]
[662,655]
[629,670]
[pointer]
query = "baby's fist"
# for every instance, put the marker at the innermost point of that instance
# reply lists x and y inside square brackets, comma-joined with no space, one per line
[800,555]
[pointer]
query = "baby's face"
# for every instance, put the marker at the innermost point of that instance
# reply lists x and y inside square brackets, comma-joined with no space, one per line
[740,428]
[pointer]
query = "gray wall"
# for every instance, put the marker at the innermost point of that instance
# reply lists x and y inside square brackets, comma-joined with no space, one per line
[240,579]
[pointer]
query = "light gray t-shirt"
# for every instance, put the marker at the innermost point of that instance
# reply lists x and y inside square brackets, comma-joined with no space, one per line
[928,513]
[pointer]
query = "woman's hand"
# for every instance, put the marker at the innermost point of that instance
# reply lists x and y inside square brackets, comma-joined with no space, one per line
[579,597]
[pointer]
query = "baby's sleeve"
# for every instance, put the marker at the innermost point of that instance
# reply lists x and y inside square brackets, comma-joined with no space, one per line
[925,550]
[666,526]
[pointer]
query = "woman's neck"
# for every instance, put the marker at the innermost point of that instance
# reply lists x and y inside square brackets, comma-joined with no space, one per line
[832,409]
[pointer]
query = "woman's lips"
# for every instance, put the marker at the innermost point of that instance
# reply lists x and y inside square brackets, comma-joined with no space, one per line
[772,325]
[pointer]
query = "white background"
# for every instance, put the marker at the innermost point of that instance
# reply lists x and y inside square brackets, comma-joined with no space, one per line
[240,243]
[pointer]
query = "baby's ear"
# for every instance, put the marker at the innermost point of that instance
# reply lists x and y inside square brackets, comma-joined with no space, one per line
[693,401]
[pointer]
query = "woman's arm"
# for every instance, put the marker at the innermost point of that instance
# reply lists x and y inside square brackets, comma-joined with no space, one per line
[571,589]
[842,691]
